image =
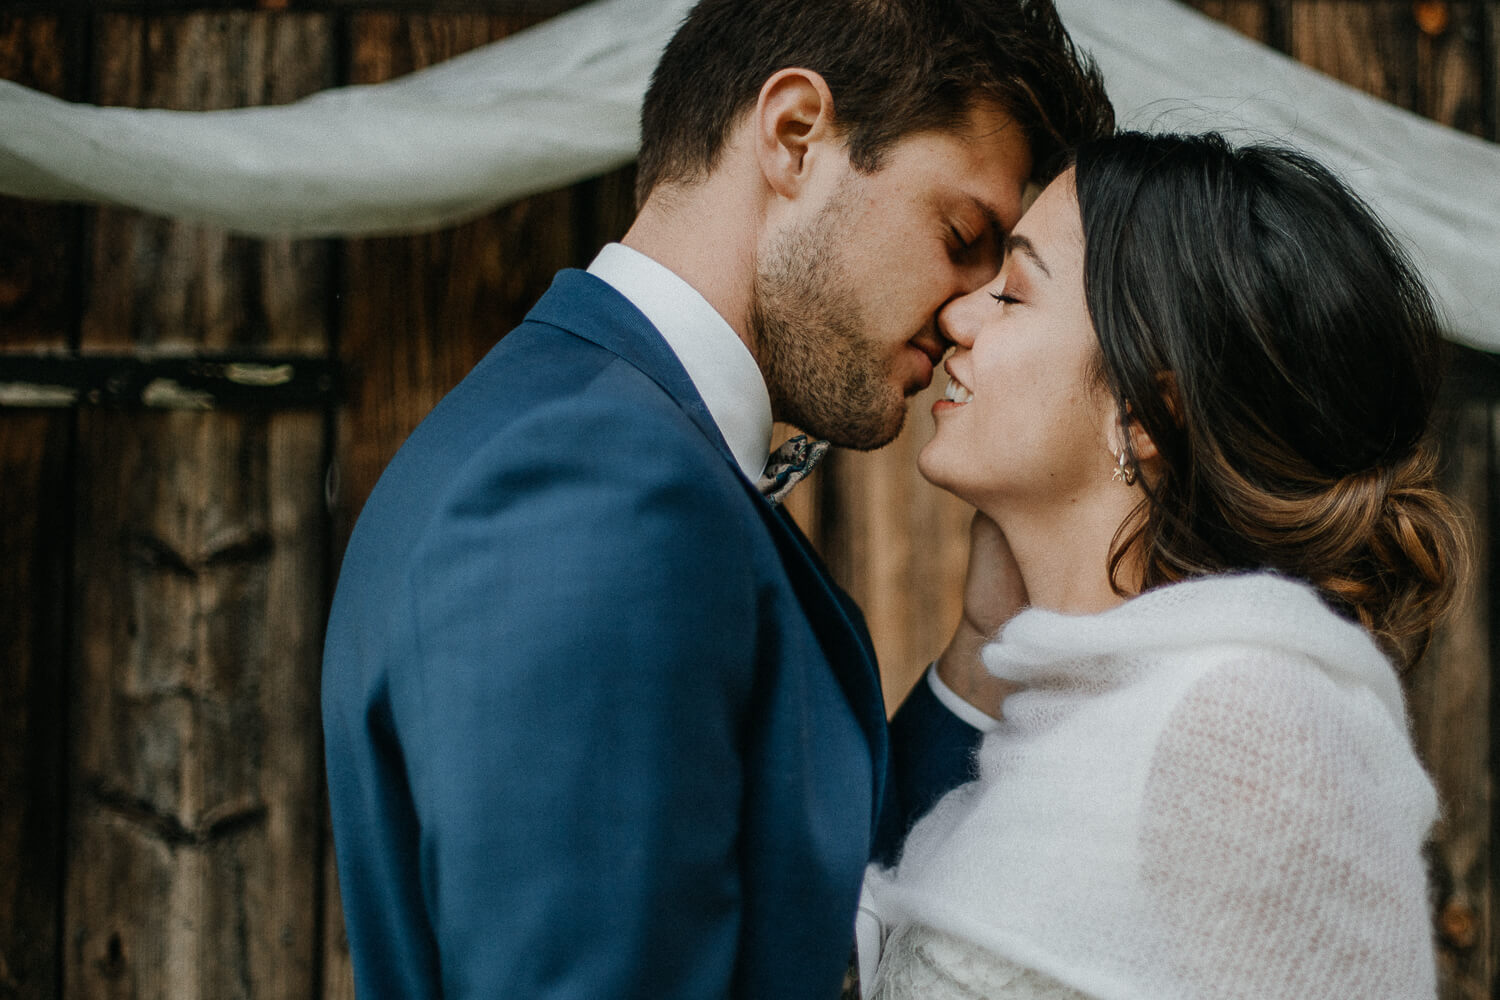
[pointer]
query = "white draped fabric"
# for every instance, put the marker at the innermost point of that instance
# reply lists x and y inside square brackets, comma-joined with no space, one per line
[559,102]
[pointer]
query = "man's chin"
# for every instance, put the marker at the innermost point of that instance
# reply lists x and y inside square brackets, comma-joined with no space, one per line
[870,437]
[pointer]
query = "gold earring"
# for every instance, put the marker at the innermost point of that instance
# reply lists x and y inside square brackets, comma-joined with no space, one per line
[1124,470]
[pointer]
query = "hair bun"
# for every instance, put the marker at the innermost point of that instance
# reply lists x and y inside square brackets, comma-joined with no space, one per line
[1394,554]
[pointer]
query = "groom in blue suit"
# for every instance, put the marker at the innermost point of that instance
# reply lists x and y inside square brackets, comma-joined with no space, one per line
[598,722]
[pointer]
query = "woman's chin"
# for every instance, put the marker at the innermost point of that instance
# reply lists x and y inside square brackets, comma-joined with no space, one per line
[937,472]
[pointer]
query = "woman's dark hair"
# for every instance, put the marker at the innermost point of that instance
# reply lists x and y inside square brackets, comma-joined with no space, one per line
[894,67]
[1273,340]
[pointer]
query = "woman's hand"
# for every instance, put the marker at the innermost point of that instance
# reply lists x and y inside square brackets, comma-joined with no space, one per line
[993,593]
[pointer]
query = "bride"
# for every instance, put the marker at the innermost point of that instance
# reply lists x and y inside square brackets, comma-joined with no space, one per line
[1190,412]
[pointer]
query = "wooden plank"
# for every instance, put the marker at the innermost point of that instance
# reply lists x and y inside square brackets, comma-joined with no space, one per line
[38,271]
[40,240]
[160,283]
[34,539]
[1449,64]
[200,381]
[1448,71]
[157,8]
[193,855]
[1369,45]
[1251,18]
[603,209]
[420,311]
[338,969]
[194,862]
[1450,698]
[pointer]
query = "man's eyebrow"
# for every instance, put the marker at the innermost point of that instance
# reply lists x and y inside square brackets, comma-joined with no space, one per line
[1020,244]
[992,223]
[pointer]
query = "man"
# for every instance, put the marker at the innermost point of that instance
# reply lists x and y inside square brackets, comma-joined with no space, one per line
[598,723]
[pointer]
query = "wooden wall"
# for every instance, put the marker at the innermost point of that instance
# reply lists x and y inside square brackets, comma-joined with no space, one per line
[162,823]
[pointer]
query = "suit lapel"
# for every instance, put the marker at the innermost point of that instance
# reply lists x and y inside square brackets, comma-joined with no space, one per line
[846,640]
[590,308]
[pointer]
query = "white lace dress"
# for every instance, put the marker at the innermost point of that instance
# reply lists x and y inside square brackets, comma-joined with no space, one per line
[919,963]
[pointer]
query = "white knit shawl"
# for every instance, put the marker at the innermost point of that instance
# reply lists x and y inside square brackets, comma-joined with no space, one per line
[1208,791]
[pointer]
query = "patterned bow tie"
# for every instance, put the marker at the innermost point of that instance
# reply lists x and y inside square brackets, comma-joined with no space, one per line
[789,465]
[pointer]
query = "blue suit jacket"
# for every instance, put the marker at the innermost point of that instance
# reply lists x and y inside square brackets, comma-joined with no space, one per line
[598,724]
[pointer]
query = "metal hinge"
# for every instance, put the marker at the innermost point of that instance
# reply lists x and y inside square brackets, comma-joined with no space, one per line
[167,381]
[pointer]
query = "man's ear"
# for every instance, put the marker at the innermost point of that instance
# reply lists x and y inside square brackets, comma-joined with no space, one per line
[793,125]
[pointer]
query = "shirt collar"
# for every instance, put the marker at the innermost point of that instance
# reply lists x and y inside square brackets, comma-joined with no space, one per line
[715,358]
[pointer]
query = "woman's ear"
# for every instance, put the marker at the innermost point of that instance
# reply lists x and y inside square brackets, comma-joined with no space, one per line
[1128,436]
[1141,445]
[1127,428]
[793,126]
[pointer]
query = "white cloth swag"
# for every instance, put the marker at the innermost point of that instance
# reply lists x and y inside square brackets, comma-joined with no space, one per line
[559,102]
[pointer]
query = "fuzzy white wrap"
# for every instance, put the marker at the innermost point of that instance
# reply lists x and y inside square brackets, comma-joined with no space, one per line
[1208,791]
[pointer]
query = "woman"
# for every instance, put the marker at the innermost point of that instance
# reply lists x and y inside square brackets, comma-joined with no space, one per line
[1190,412]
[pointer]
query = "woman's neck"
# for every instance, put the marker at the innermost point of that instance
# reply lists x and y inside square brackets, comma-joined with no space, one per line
[1063,553]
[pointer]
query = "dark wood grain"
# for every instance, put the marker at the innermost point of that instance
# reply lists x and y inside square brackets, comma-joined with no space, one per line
[37,241]
[1450,696]
[1251,18]
[160,283]
[194,848]
[38,274]
[1449,62]
[1370,45]
[35,541]
[193,855]
[420,311]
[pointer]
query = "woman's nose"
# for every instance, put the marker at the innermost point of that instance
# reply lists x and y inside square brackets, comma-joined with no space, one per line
[956,319]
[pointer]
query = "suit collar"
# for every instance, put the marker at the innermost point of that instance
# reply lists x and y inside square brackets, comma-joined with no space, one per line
[723,371]
[588,307]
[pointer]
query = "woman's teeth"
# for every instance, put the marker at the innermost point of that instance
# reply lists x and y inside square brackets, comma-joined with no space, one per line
[956,392]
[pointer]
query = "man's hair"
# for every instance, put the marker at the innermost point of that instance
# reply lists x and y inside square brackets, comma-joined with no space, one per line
[894,67]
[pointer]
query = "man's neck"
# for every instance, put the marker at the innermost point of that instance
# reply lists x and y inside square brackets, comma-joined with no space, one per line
[707,237]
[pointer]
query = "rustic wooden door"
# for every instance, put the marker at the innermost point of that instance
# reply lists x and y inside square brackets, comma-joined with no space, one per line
[178,473]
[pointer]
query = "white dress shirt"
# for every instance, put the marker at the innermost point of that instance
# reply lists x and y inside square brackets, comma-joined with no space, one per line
[715,358]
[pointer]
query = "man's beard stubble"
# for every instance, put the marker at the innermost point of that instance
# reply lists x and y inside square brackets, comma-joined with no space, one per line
[824,376]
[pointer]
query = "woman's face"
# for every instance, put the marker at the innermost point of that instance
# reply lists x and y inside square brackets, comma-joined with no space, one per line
[1026,425]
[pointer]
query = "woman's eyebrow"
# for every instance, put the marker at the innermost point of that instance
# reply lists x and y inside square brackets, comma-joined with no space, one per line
[1015,243]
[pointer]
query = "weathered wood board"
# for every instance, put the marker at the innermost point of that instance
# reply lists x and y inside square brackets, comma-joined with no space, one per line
[194,828]
[167,572]
[38,271]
